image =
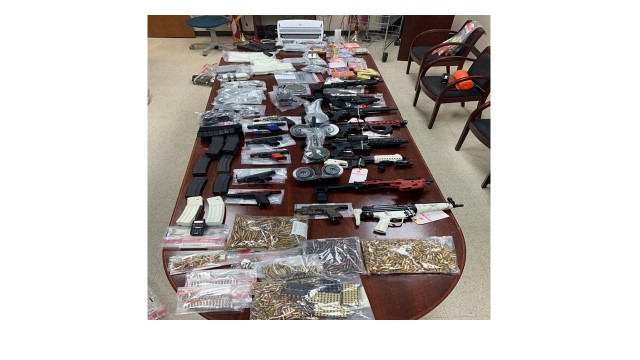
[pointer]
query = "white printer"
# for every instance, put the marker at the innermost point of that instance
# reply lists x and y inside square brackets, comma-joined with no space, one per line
[299,35]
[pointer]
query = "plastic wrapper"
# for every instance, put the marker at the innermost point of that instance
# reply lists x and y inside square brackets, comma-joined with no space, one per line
[243,56]
[288,268]
[270,66]
[248,197]
[322,297]
[435,254]
[216,117]
[211,298]
[270,142]
[220,277]
[238,111]
[322,211]
[284,100]
[179,237]
[249,85]
[296,77]
[296,61]
[460,37]
[155,309]
[239,96]
[315,69]
[259,176]
[318,62]
[184,261]
[314,109]
[313,151]
[295,89]
[274,156]
[273,127]
[268,232]
[249,258]
[338,255]
[206,76]
[337,91]
[294,119]
[357,63]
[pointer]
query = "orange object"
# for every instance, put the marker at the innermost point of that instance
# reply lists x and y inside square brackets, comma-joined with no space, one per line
[464,85]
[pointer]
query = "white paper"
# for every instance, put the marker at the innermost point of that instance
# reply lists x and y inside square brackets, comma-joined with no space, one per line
[358,175]
[426,218]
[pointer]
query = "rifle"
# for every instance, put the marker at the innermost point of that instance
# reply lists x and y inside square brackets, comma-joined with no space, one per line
[335,115]
[266,128]
[362,144]
[382,127]
[409,184]
[383,161]
[261,197]
[369,83]
[259,177]
[350,101]
[395,215]
[272,141]
[332,211]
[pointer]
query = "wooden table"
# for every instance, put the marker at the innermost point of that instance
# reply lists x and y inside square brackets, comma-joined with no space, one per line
[391,296]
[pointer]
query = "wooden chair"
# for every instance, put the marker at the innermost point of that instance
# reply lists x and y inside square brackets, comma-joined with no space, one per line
[479,72]
[424,44]
[481,128]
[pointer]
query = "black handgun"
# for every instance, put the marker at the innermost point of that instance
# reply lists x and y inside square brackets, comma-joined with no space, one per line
[261,197]
[280,155]
[272,141]
[332,211]
[260,177]
[270,127]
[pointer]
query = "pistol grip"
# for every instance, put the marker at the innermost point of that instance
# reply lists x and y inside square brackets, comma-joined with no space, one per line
[356,215]
[381,227]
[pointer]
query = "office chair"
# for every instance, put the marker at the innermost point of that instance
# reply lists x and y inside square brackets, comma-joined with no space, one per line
[426,45]
[209,22]
[479,72]
[481,128]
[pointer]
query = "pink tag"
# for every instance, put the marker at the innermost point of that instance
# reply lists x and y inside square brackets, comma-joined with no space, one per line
[358,175]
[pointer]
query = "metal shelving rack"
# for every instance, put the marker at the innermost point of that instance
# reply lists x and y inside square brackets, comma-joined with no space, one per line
[373,28]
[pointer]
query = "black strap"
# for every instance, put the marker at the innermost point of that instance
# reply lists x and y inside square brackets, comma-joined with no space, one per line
[195,187]
[201,166]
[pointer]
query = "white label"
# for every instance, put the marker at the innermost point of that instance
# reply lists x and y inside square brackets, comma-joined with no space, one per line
[425,218]
[358,175]
[299,228]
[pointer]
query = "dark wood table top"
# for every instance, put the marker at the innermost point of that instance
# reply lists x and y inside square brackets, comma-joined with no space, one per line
[398,296]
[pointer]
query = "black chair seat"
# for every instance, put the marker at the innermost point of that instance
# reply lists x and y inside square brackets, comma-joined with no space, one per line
[483,126]
[433,84]
[418,53]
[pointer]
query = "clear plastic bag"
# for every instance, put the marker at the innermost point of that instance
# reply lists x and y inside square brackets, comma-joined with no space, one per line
[259,176]
[243,56]
[272,127]
[260,197]
[269,142]
[184,261]
[250,258]
[435,254]
[296,61]
[213,298]
[206,76]
[179,237]
[238,111]
[288,268]
[315,69]
[268,232]
[338,255]
[296,77]
[215,117]
[460,37]
[265,157]
[314,151]
[284,100]
[322,297]
[314,109]
[155,309]
[220,277]
[295,89]
[248,84]
[239,96]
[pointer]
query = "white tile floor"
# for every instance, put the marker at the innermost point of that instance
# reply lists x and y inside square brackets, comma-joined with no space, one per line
[172,130]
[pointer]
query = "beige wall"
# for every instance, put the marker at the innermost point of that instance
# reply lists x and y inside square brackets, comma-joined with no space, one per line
[484,20]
